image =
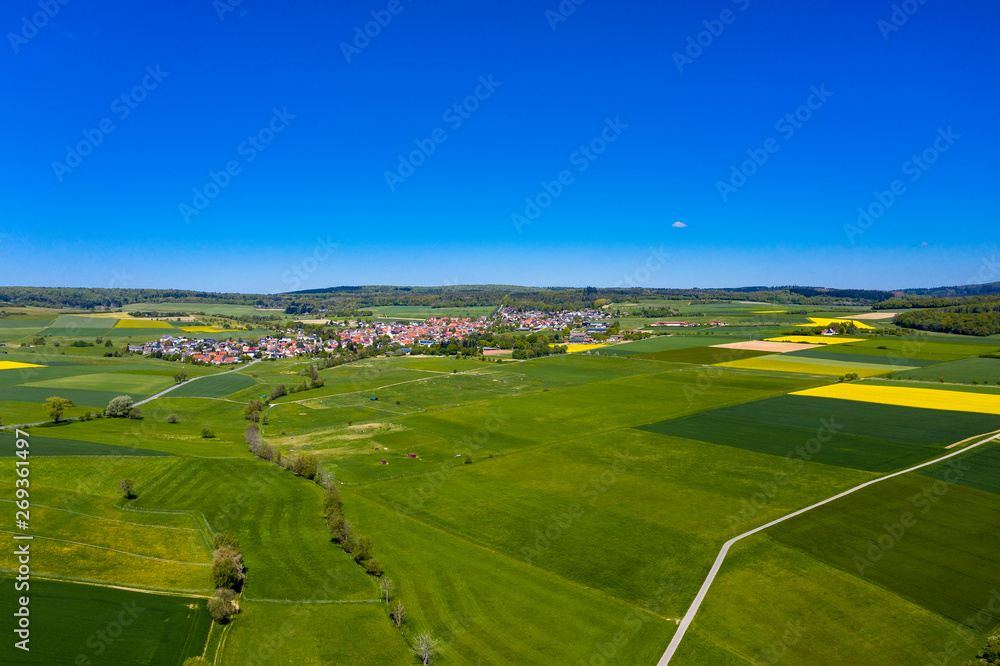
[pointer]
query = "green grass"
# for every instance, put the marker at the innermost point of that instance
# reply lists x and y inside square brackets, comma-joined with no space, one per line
[701,355]
[214,387]
[356,634]
[878,438]
[940,550]
[490,608]
[42,446]
[117,382]
[659,343]
[851,355]
[82,624]
[982,370]
[775,604]
[983,471]
[278,519]
[424,312]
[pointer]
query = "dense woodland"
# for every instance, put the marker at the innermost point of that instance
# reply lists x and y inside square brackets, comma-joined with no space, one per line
[975,315]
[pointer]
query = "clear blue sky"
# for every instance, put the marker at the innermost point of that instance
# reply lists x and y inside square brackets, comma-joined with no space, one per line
[552,86]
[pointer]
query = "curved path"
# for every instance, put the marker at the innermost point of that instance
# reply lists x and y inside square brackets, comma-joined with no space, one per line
[696,604]
[194,379]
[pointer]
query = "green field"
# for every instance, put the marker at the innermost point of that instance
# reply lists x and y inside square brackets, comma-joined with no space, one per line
[214,387]
[597,492]
[868,436]
[269,510]
[82,624]
[965,371]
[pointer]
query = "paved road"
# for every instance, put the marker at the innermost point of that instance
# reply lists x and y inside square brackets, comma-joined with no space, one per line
[165,391]
[689,616]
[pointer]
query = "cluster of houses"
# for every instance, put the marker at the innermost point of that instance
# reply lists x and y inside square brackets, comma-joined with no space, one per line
[583,324]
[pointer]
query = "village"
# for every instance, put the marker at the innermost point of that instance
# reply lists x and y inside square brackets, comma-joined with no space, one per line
[404,336]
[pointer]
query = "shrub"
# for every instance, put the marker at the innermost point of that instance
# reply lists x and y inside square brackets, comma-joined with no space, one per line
[331,499]
[225,539]
[135,413]
[362,549]
[119,407]
[207,433]
[372,567]
[226,573]
[222,605]
[172,418]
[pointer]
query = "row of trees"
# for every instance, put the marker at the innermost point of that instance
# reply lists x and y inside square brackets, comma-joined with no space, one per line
[228,576]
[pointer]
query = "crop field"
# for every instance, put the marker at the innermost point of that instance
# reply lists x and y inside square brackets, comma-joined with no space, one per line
[943,555]
[816,339]
[143,323]
[597,485]
[866,436]
[965,371]
[214,387]
[702,355]
[417,312]
[907,396]
[782,363]
[861,356]
[82,624]
[661,343]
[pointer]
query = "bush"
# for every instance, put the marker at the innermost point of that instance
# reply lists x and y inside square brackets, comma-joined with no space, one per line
[222,605]
[207,433]
[362,549]
[172,418]
[331,499]
[225,539]
[119,407]
[135,413]
[372,567]
[226,573]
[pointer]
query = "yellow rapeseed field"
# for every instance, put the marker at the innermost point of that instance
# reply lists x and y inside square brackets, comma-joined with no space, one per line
[582,348]
[816,339]
[903,396]
[14,365]
[781,365]
[206,329]
[822,321]
[142,323]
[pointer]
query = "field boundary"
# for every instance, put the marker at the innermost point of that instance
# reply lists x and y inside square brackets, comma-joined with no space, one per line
[193,379]
[717,565]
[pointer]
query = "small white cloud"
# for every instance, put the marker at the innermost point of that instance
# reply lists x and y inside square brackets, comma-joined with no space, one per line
[924,244]
[679,225]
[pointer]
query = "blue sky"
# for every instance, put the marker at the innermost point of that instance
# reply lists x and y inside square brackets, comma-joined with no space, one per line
[581,137]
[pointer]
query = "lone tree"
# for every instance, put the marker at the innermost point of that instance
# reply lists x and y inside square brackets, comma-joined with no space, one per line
[398,614]
[181,376]
[222,605]
[119,407]
[424,647]
[386,588]
[55,406]
[127,486]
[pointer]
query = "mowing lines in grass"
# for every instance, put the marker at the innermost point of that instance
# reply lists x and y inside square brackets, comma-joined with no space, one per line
[696,604]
